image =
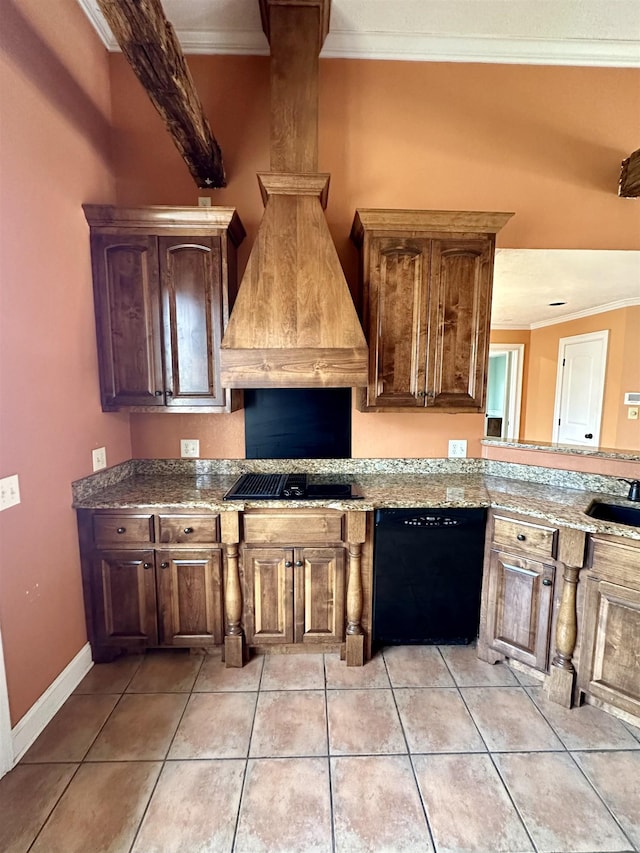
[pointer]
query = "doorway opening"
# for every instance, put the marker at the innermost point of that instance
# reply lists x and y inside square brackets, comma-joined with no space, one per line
[504,391]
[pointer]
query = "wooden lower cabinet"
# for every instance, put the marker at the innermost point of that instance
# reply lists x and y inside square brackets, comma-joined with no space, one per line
[145,599]
[294,595]
[610,653]
[520,604]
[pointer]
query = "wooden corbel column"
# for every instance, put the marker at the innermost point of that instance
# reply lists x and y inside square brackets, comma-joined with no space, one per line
[235,652]
[356,534]
[560,683]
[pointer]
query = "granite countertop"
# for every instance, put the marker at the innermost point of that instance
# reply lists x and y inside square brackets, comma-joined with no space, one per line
[172,489]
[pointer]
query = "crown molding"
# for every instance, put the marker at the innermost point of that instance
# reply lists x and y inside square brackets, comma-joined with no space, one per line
[565,318]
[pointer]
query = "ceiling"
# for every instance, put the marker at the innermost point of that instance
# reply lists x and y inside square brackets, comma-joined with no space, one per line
[543,32]
[548,32]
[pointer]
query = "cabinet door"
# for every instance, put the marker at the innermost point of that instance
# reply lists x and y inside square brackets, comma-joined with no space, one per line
[397,323]
[268,594]
[520,604]
[124,599]
[460,294]
[192,318]
[189,597]
[127,303]
[610,661]
[319,595]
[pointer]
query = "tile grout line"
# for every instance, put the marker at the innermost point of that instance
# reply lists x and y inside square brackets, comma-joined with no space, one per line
[410,758]
[534,847]
[163,760]
[246,760]
[326,712]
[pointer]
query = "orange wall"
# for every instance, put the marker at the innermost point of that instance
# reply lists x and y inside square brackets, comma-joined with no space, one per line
[54,99]
[622,374]
[545,143]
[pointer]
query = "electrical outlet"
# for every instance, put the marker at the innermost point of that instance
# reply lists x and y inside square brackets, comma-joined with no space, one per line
[189,448]
[99,458]
[632,413]
[9,492]
[457,448]
[204,201]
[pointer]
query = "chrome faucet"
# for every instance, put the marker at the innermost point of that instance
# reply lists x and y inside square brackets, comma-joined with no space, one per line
[634,490]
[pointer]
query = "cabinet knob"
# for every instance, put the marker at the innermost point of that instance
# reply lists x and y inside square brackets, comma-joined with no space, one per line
[169,393]
[546,582]
[288,564]
[121,530]
[188,530]
[521,537]
[588,435]
[158,393]
[421,394]
[299,563]
[164,565]
[147,565]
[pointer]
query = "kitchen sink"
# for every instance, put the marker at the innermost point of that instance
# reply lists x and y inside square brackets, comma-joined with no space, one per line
[614,512]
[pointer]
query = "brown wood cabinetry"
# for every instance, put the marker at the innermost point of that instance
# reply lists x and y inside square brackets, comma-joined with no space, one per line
[139,594]
[294,578]
[164,283]
[426,285]
[518,591]
[609,658]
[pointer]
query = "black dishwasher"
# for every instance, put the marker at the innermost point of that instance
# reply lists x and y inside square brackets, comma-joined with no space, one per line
[427,575]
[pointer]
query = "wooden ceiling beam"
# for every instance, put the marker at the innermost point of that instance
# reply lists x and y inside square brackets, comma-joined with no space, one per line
[152,48]
[629,186]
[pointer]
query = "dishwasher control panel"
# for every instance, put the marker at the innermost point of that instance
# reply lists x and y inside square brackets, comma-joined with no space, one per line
[431,521]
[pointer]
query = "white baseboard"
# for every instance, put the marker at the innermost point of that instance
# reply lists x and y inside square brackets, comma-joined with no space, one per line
[26,730]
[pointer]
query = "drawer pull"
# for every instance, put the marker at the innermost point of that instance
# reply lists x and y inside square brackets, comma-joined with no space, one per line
[147,565]
[521,537]
[121,530]
[188,530]
[546,582]
[287,564]
[166,566]
[299,563]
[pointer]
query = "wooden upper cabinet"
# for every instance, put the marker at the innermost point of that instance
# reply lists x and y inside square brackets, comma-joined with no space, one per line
[164,284]
[426,283]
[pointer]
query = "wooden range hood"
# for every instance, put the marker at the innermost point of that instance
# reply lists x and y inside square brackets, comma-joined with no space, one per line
[294,324]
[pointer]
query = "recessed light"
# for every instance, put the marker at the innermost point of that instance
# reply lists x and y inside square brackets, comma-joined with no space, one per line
[553,304]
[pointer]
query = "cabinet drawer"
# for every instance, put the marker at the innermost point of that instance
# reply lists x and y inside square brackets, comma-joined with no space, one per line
[185,529]
[617,560]
[119,529]
[297,528]
[535,540]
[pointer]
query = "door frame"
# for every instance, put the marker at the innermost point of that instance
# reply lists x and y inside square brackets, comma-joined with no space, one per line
[515,372]
[6,740]
[602,335]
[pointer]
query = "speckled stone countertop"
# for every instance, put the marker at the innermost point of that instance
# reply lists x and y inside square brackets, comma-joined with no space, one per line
[426,483]
[569,449]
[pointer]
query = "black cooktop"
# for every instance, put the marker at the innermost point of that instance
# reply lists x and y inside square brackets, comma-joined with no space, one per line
[274,487]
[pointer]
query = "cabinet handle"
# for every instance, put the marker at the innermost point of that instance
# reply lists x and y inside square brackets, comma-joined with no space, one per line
[299,563]
[121,530]
[288,564]
[188,530]
[166,566]
[588,435]
[421,394]
[147,565]
[546,582]
[521,537]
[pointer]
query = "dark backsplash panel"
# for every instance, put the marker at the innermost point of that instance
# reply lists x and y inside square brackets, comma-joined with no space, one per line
[297,423]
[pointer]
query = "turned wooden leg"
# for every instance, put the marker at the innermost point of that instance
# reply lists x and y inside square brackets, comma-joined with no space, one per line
[559,685]
[355,634]
[234,648]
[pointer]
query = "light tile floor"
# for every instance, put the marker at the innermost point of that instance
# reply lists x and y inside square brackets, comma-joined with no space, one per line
[423,749]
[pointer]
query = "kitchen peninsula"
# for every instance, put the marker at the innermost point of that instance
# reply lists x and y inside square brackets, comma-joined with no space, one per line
[287,575]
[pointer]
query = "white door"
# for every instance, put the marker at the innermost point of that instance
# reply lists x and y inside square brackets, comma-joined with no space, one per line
[580,389]
[6,743]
